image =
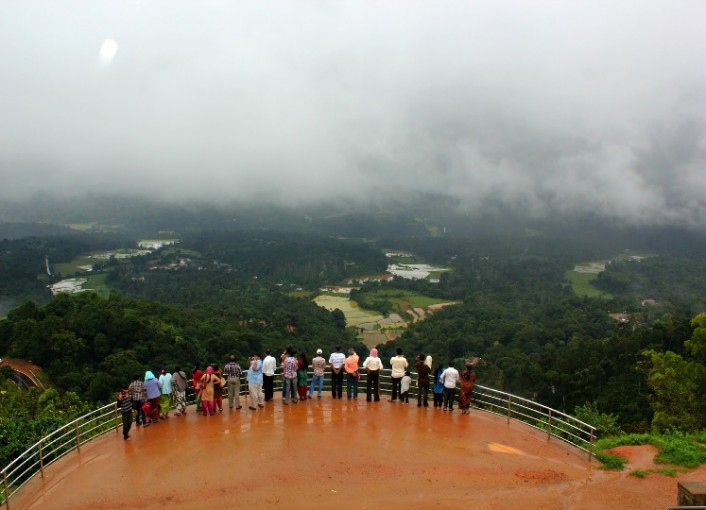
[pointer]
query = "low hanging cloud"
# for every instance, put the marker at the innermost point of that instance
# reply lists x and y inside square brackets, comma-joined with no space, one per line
[544,107]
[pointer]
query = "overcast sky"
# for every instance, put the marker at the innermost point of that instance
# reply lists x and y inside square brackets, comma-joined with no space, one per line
[550,107]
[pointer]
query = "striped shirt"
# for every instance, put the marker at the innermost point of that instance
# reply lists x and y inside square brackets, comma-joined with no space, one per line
[124,402]
[337,359]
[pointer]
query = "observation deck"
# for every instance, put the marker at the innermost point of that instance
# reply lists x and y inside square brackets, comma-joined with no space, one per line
[329,453]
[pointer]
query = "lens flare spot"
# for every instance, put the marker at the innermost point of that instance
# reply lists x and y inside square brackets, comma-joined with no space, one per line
[108,49]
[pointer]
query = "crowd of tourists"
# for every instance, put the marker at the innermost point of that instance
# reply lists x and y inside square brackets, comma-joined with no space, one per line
[151,398]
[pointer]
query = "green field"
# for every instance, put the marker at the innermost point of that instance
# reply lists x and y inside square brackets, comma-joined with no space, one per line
[402,300]
[355,315]
[71,268]
[581,283]
[97,283]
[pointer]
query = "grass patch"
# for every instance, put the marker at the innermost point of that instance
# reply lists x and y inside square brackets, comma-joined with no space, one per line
[641,473]
[665,472]
[581,284]
[681,451]
[611,461]
[686,450]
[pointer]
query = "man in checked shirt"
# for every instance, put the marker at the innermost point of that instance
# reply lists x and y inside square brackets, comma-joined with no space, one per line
[138,394]
[232,372]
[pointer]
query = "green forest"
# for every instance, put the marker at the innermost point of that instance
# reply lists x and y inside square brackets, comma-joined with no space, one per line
[245,290]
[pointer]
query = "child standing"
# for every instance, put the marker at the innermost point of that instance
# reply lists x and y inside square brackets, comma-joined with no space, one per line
[405,383]
[438,387]
[124,404]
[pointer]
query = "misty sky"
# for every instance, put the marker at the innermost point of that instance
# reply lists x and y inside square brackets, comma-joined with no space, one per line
[548,107]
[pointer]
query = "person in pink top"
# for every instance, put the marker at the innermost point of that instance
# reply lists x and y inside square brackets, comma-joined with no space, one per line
[351,368]
[208,381]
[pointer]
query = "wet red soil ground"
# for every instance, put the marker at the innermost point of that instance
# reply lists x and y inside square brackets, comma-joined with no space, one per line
[337,453]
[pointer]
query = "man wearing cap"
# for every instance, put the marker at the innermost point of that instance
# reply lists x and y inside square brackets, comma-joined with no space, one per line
[319,365]
[336,360]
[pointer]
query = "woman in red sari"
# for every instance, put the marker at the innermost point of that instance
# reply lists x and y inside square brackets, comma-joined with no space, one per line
[466,382]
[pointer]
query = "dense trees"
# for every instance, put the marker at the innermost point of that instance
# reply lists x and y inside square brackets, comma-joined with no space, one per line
[678,382]
[90,345]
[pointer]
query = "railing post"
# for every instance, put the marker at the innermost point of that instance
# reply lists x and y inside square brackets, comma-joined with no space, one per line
[7,490]
[509,408]
[549,425]
[41,461]
[590,445]
[78,437]
[117,420]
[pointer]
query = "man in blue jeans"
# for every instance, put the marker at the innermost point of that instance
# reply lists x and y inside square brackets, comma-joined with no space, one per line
[318,364]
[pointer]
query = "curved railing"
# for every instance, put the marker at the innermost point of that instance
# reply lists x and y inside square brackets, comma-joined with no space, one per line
[55,445]
[71,436]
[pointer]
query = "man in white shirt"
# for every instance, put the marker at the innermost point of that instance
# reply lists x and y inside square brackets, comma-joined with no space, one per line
[269,365]
[449,379]
[336,360]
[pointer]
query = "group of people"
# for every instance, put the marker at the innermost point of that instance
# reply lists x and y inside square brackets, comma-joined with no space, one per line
[152,397]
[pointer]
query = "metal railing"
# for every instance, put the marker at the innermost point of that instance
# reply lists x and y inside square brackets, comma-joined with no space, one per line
[555,423]
[55,445]
[71,436]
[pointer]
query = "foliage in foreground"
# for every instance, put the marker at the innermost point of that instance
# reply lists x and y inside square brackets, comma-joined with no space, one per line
[676,449]
[28,415]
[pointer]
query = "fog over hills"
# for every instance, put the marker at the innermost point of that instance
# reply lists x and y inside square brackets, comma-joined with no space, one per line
[538,109]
